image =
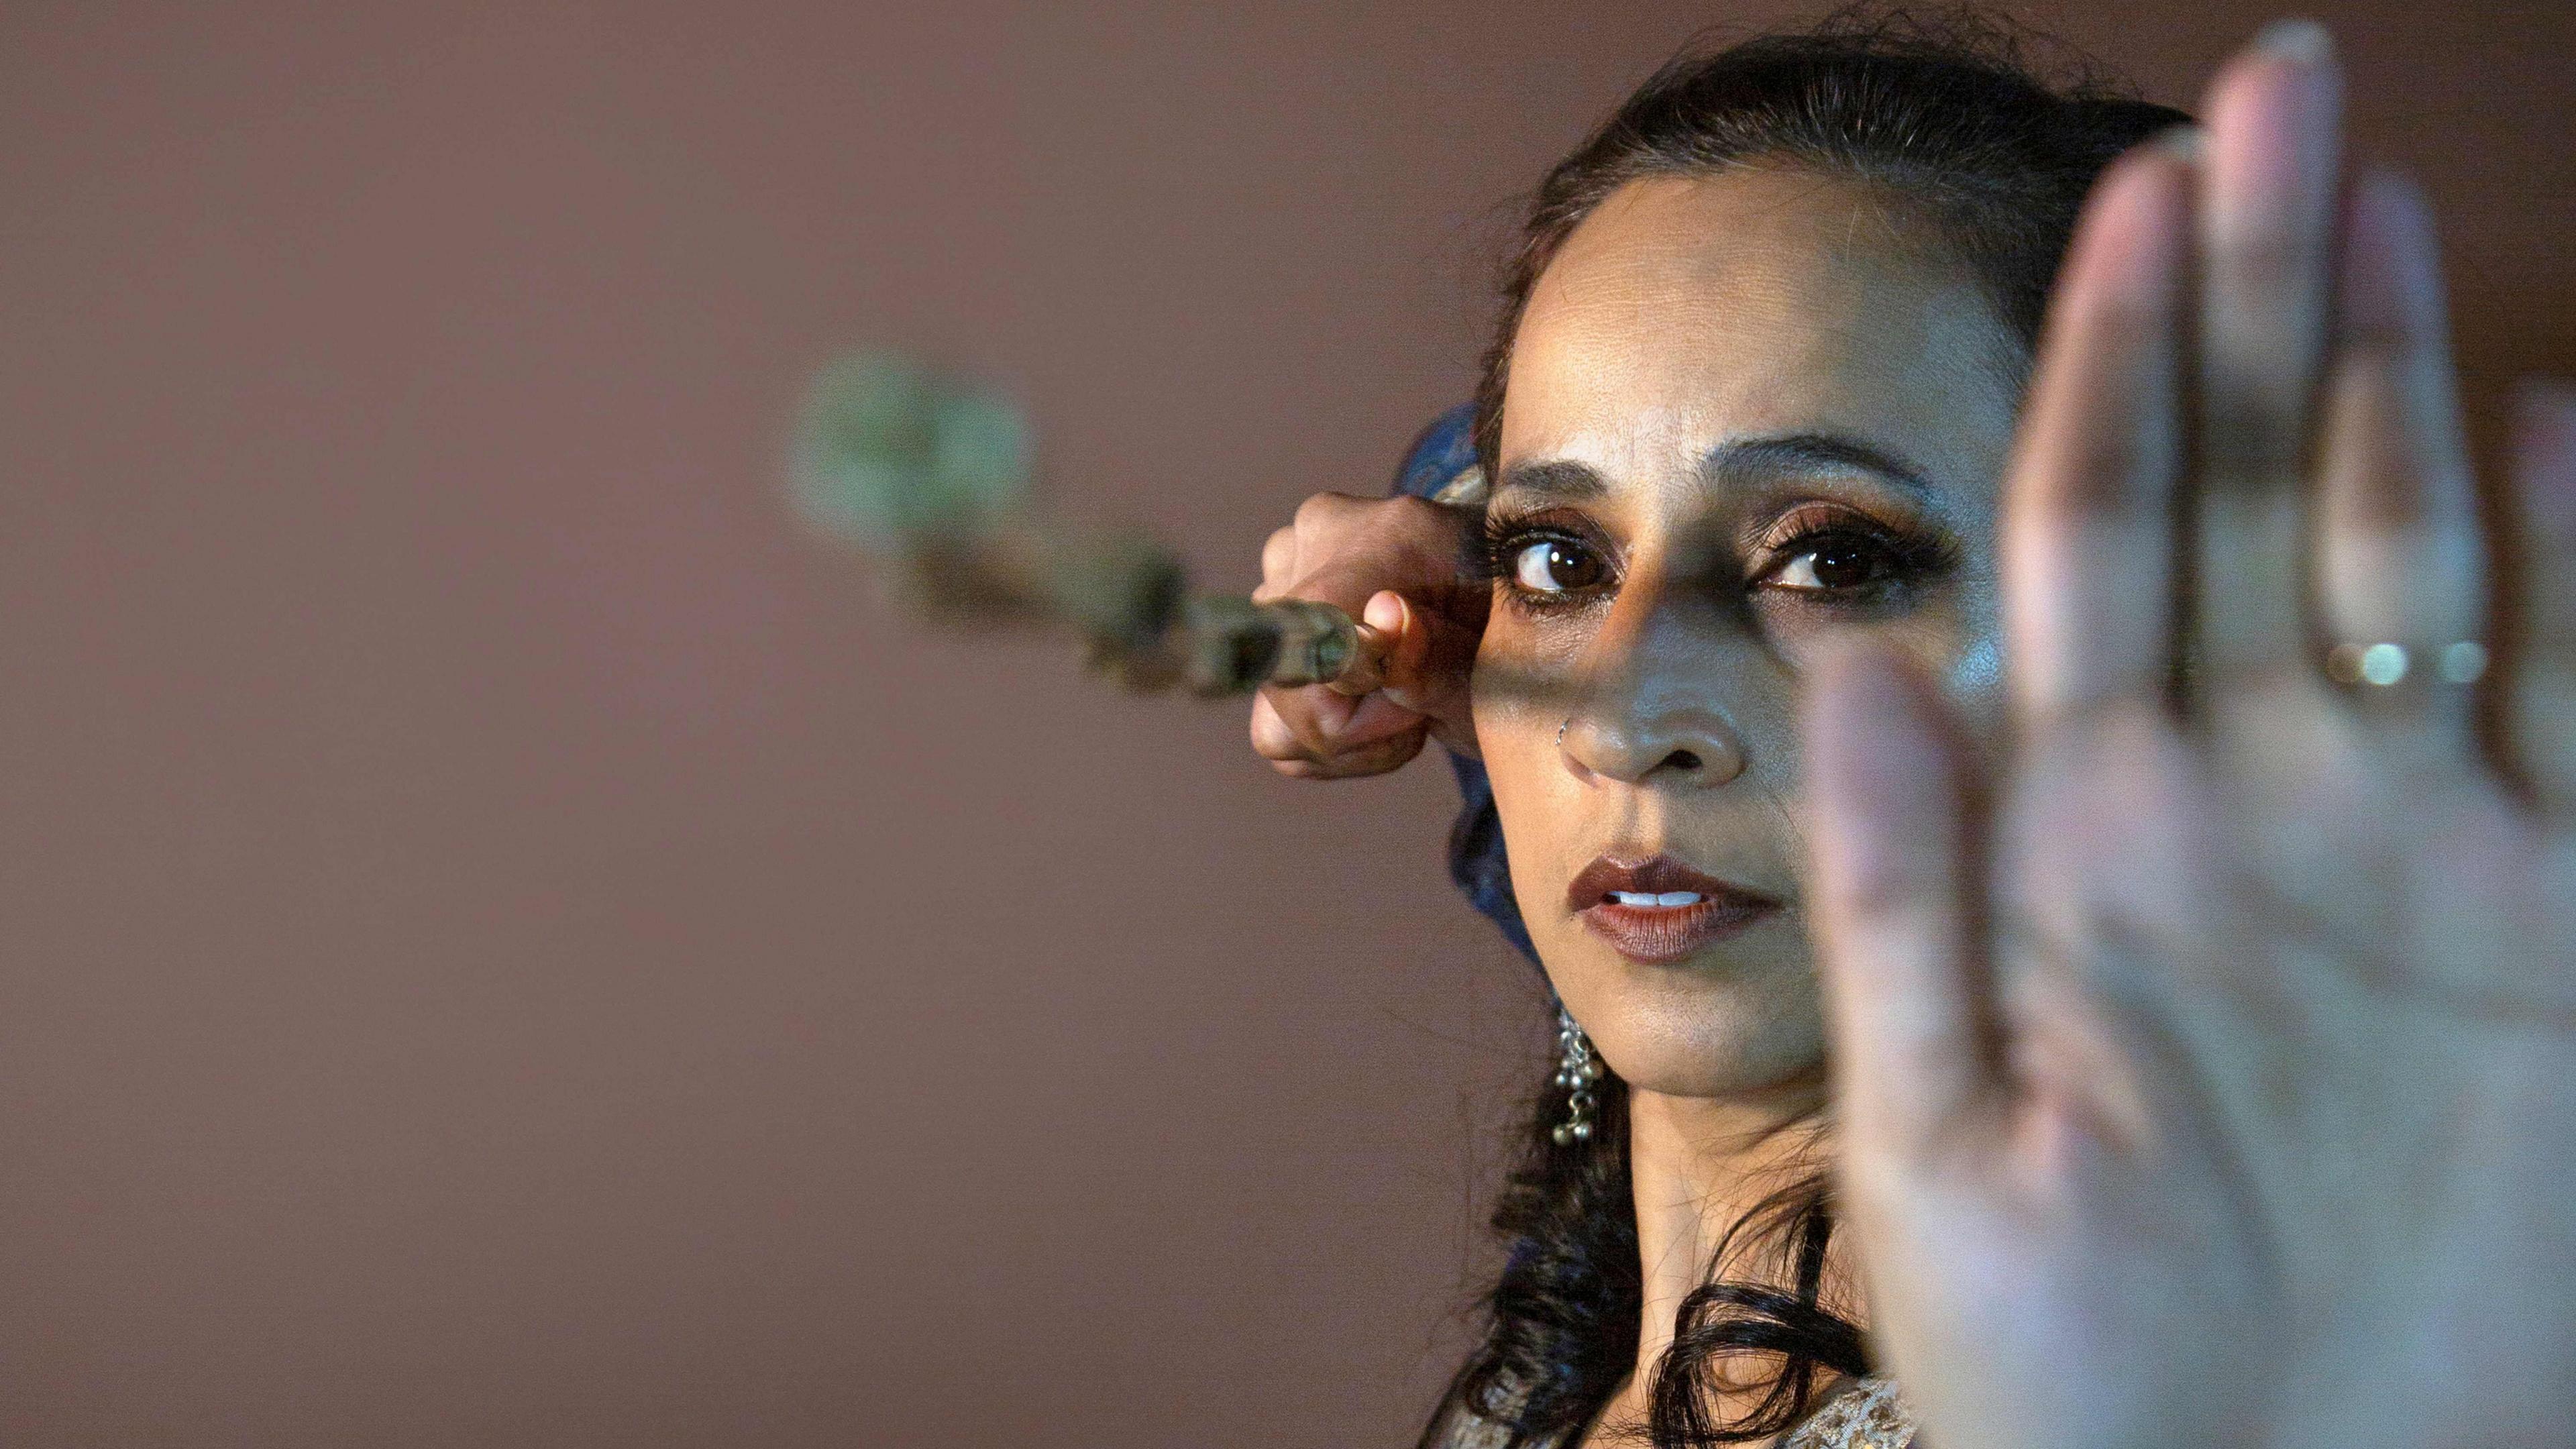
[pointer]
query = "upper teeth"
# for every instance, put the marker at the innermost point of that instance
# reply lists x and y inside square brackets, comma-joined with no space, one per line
[1651,898]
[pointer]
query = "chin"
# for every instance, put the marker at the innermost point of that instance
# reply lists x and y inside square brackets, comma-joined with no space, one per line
[1743,1023]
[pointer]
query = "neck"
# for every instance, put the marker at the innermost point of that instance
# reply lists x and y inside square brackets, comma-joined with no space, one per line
[1699,1165]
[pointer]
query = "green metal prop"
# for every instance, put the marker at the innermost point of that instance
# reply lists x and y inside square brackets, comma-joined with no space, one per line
[933,477]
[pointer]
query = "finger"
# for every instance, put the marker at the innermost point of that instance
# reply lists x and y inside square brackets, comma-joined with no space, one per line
[1299,759]
[1894,909]
[1428,666]
[1382,756]
[1386,759]
[1378,760]
[1278,563]
[1300,725]
[1313,723]
[2087,517]
[1271,737]
[1408,636]
[2542,698]
[2265,225]
[1382,621]
[2400,556]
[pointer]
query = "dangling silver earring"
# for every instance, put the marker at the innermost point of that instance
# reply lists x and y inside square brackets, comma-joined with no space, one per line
[1577,1068]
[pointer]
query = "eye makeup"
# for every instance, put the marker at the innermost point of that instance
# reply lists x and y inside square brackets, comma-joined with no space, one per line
[1548,560]
[1830,553]
[1815,552]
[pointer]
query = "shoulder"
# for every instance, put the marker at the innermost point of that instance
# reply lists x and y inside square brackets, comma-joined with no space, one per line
[1456,1428]
[1442,456]
[1865,1415]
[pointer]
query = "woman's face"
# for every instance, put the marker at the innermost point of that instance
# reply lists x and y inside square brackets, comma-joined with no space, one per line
[1744,413]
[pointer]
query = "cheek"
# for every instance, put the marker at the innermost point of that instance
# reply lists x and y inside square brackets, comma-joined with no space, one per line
[1968,660]
[1516,699]
[1954,639]
[1516,721]
[1755,1025]
[1974,683]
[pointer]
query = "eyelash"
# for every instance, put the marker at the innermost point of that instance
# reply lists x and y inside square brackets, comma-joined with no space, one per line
[1912,557]
[1507,535]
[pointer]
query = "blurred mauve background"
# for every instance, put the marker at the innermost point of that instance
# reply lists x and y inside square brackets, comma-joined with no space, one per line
[508,944]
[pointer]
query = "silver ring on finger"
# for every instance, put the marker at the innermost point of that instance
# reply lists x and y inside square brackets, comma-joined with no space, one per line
[2385,663]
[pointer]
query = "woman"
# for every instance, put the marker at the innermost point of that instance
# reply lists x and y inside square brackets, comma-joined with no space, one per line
[2205,1059]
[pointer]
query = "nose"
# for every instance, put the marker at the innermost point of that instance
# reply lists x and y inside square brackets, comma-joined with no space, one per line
[1690,746]
[1650,713]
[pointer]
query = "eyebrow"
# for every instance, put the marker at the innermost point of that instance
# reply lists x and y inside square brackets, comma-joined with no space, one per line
[1808,452]
[1558,478]
[1741,460]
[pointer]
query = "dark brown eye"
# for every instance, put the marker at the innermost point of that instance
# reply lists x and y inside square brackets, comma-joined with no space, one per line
[1555,566]
[1834,561]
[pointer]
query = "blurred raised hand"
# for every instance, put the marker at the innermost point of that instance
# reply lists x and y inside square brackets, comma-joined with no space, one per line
[2205,1055]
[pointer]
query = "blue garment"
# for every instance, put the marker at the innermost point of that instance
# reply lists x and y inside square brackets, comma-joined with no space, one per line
[1446,449]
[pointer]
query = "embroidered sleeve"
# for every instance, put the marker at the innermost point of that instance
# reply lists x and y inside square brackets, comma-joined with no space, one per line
[1867,1415]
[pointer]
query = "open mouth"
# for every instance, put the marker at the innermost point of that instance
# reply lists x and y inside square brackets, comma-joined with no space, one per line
[1661,911]
[1642,900]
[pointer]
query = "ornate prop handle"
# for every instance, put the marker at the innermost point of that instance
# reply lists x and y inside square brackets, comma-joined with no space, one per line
[933,478]
[1239,645]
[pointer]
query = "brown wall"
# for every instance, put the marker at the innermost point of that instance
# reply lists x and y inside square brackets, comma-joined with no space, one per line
[507,945]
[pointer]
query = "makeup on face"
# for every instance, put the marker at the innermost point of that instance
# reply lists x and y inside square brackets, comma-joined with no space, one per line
[1735,428]
[1807,527]
[1659,911]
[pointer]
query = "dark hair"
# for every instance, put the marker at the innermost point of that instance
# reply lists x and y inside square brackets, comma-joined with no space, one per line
[1945,114]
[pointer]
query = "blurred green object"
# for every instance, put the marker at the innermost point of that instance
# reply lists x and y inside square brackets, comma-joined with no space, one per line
[934,478]
[889,453]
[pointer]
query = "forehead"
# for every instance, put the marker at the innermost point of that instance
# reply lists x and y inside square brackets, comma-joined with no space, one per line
[1686,313]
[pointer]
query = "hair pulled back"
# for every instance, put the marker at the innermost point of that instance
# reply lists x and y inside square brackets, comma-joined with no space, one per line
[1945,113]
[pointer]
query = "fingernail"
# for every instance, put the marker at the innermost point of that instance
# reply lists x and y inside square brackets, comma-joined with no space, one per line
[1385,613]
[2302,40]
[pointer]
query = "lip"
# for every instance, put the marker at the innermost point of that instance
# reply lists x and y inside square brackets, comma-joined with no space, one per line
[1662,935]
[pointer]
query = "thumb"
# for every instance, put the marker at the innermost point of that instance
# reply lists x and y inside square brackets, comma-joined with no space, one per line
[1427,665]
